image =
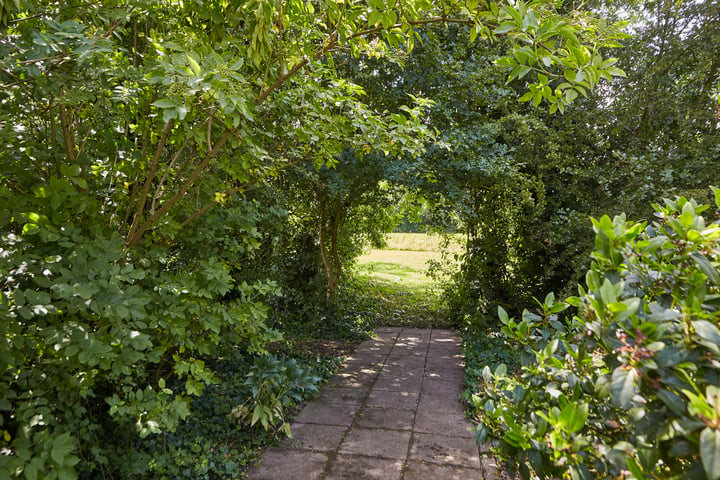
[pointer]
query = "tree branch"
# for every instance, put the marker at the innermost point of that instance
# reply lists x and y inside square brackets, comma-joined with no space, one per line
[150,177]
[68,138]
[235,190]
[158,189]
[134,237]
[332,41]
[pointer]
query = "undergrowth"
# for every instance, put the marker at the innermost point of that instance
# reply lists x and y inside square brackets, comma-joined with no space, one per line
[212,443]
[376,302]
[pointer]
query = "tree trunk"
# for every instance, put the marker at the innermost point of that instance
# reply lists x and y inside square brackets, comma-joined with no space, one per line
[329,228]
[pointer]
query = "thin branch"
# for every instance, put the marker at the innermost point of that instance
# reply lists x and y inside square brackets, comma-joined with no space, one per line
[332,41]
[116,24]
[280,80]
[158,189]
[38,60]
[128,209]
[134,237]
[235,190]
[67,134]
[150,177]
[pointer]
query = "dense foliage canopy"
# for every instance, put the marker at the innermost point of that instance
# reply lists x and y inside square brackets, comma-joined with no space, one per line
[183,180]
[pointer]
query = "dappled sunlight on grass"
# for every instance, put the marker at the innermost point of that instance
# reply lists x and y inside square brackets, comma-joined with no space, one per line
[393,288]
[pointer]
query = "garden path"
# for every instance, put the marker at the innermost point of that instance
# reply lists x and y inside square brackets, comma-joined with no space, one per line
[391,413]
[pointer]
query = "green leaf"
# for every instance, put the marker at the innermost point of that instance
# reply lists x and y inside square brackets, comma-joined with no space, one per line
[623,386]
[528,96]
[574,416]
[169,114]
[709,334]
[165,103]
[70,170]
[505,27]
[674,402]
[502,314]
[66,473]
[705,266]
[32,469]
[635,468]
[194,65]
[716,191]
[61,447]
[710,452]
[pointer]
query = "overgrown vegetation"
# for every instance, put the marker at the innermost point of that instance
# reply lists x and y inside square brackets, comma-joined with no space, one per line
[185,186]
[231,421]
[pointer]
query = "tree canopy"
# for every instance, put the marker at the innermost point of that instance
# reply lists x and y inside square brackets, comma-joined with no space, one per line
[176,176]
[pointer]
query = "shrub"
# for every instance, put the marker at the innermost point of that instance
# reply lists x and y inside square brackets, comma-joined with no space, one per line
[90,333]
[275,385]
[629,387]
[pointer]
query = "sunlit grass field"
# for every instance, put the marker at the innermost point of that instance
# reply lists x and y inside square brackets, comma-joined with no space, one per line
[420,242]
[405,267]
[398,277]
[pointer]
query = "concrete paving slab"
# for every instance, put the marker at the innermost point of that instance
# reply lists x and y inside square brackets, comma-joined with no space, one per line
[360,369]
[371,359]
[437,347]
[439,363]
[381,339]
[416,372]
[431,471]
[378,342]
[421,331]
[447,374]
[325,413]
[397,384]
[491,469]
[354,467]
[309,436]
[443,341]
[375,442]
[379,350]
[442,423]
[409,350]
[386,334]
[344,395]
[412,347]
[353,380]
[445,359]
[389,399]
[439,386]
[440,449]
[277,463]
[444,334]
[441,403]
[406,361]
[387,418]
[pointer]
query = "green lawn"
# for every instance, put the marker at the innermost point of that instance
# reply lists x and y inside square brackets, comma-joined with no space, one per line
[396,286]
[405,267]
